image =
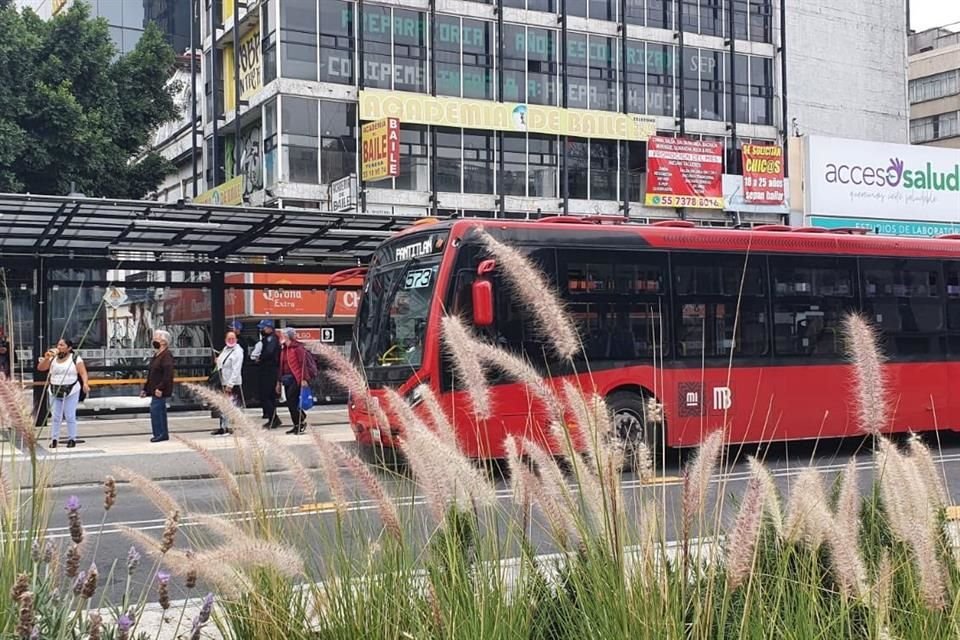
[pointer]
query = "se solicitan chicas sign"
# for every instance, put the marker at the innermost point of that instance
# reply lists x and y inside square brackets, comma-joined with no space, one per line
[879,180]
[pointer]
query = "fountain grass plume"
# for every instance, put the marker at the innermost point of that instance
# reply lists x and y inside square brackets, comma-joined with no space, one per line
[219,468]
[385,506]
[868,375]
[458,472]
[458,343]
[741,542]
[533,290]
[330,473]
[808,514]
[343,373]
[18,412]
[520,370]
[771,497]
[152,491]
[926,467]
[696,480]
[438,417]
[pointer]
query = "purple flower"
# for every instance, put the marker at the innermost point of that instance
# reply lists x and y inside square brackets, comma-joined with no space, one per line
[124,623]
[35,633]
[133,560]
[202,617]
[163,577]
[73,504]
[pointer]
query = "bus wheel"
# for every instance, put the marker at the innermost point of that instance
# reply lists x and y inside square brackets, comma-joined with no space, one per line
[628,413]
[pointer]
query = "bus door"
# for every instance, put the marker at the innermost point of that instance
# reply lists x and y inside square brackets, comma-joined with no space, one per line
[721,324]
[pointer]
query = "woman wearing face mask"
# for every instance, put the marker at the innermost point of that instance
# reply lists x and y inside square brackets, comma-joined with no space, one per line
[67,376]
[230,367]
[159,385]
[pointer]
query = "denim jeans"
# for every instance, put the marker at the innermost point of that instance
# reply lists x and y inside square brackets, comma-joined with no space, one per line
[235,401]
[65,408]
[158,417]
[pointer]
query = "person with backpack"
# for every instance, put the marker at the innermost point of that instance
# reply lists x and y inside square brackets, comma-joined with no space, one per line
[297,370]
[66,380]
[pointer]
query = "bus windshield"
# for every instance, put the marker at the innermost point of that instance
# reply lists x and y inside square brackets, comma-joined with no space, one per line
[392,320]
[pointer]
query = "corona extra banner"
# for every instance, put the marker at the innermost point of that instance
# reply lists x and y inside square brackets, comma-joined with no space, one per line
[442,111]
[381,149]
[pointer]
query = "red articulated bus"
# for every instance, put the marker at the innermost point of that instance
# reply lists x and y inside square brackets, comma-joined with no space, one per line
[731,327]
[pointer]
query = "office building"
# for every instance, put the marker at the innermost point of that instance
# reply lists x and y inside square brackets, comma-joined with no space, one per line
[464,78]
[935,87]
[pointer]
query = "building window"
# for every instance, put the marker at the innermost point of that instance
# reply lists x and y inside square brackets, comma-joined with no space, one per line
[464,57]
[578,86]
[394,48]
[543,161]
[336,42]
[478,161]
[633,75]
[577,156]
[761,18]
[514,164]
[449,160]
[301,148]
[270,143]
[414,162]
[761,90]
[338,140]
[603,169]
[603,73]
[298,39]
[530,65]
[703,83]
[661,67]
[268,42]
[936,86]
[945,125]
[409,50]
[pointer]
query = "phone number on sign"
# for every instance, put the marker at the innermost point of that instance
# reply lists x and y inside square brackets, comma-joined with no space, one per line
[697,202]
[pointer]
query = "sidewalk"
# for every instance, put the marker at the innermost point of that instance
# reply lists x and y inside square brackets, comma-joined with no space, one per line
[110,442]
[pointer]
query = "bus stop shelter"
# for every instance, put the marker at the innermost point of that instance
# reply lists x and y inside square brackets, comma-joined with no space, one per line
[105,273]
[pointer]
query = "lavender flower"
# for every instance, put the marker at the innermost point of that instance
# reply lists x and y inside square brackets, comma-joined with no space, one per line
[20,587]
[133,560]
[47,556]
[191,579]
[163,590]
[202,618]
[73,515]
[109,493]
[78,583]
[124,624]
[73,561]
[90,583]
[25,617]
[36,552]
[94,625]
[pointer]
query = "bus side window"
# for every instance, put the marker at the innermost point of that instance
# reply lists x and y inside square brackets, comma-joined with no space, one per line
[616,299]
[810,298]
[722,304]
[904,299]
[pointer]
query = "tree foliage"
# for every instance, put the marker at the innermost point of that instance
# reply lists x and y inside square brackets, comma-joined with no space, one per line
[72,111]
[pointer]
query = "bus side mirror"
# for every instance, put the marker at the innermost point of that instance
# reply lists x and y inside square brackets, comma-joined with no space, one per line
[482,303]
[483,295]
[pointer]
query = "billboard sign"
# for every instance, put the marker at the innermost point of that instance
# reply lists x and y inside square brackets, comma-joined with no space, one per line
[343,193]
[442,111]
[381,149]
[902,228]
[684,173]
[229,193]
[886,181]
[763,181]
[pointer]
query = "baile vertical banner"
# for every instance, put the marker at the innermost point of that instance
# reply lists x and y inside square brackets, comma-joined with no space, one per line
[684,173]
[381,149]
[763,174]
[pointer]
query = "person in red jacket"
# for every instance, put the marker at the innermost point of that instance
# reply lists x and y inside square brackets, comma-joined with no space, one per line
[297,369]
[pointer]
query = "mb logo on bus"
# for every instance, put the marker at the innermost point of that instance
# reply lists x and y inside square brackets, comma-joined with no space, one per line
[722,398]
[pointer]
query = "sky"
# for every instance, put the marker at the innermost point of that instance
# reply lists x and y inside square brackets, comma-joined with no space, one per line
[934,13]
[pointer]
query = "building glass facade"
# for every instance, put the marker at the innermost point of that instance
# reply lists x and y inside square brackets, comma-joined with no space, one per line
[323,53]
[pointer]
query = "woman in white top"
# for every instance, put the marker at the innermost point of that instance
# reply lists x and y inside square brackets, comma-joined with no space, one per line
[67,376]
[230,367]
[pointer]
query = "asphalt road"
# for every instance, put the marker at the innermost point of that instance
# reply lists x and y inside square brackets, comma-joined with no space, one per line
[311,522]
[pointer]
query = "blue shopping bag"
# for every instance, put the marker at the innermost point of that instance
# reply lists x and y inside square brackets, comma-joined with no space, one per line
[306,398]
